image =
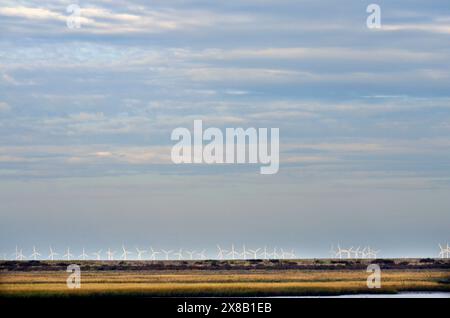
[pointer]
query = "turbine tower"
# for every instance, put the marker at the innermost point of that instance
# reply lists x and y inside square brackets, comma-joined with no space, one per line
[110,254]
[166,253]
[233,253]
[254,253]
[153,253]
[19,254]
[52,254]
[35,254]
[98,255]
[222,252]
[83,255]
[191,254]
[202,254]
[140,253]
[68,255]
[445,251]
[244,252]
[179,254]
[265,255]
[125,253]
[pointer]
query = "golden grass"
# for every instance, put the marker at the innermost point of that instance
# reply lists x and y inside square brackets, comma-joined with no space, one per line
[225,283]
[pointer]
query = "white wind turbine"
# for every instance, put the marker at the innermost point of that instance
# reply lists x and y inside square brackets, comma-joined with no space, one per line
[167,253]
[445,251]
[222,252]
[191,254]
[140,253]
[52,254]
[179,254]
[68,255]
[283,254]
[291,254]
[339,252]
[441,253]
[364,252]
[254,253]
[16,253]
[83,255]
[35,253]
[357,252]
[333,252]
[98,255]
[371,253]
[19,254]
[125,253]
[275,253]
[265,255]
[202,254]
[153,253]
[244,252]
[233,252]
[348,252]
[110,254]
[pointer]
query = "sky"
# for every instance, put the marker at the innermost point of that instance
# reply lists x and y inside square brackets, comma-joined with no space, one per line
[86,116]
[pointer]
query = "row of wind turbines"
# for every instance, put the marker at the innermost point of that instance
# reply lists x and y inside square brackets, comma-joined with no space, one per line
[152,254]
[445,251]
[232,253]
[365,252]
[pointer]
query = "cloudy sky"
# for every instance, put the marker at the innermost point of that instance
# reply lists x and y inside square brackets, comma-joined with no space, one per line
[364,116]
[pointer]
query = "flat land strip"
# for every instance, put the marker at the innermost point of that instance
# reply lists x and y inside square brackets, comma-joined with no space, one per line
[221,278]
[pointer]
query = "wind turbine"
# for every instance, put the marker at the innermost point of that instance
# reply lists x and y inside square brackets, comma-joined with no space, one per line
[254,252]
[98,255]
[348,252]
[364,252]
[233,252]
[371,253]
[292,254]
[35,253]
[83,255]
[191,254]
[110,254]
[19,254]
[333,252]
[244,252]
[140,253]
[339,251]
[52,254]
[68,255]
[357,252]
[265,255]
[202,254]
[222,252]
[125,253]
[179,254]
[442,252]
[166,253]
[153,253]
[16,253]
[283,254]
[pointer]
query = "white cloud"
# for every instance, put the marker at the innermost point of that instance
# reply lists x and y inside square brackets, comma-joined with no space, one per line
[432,28]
